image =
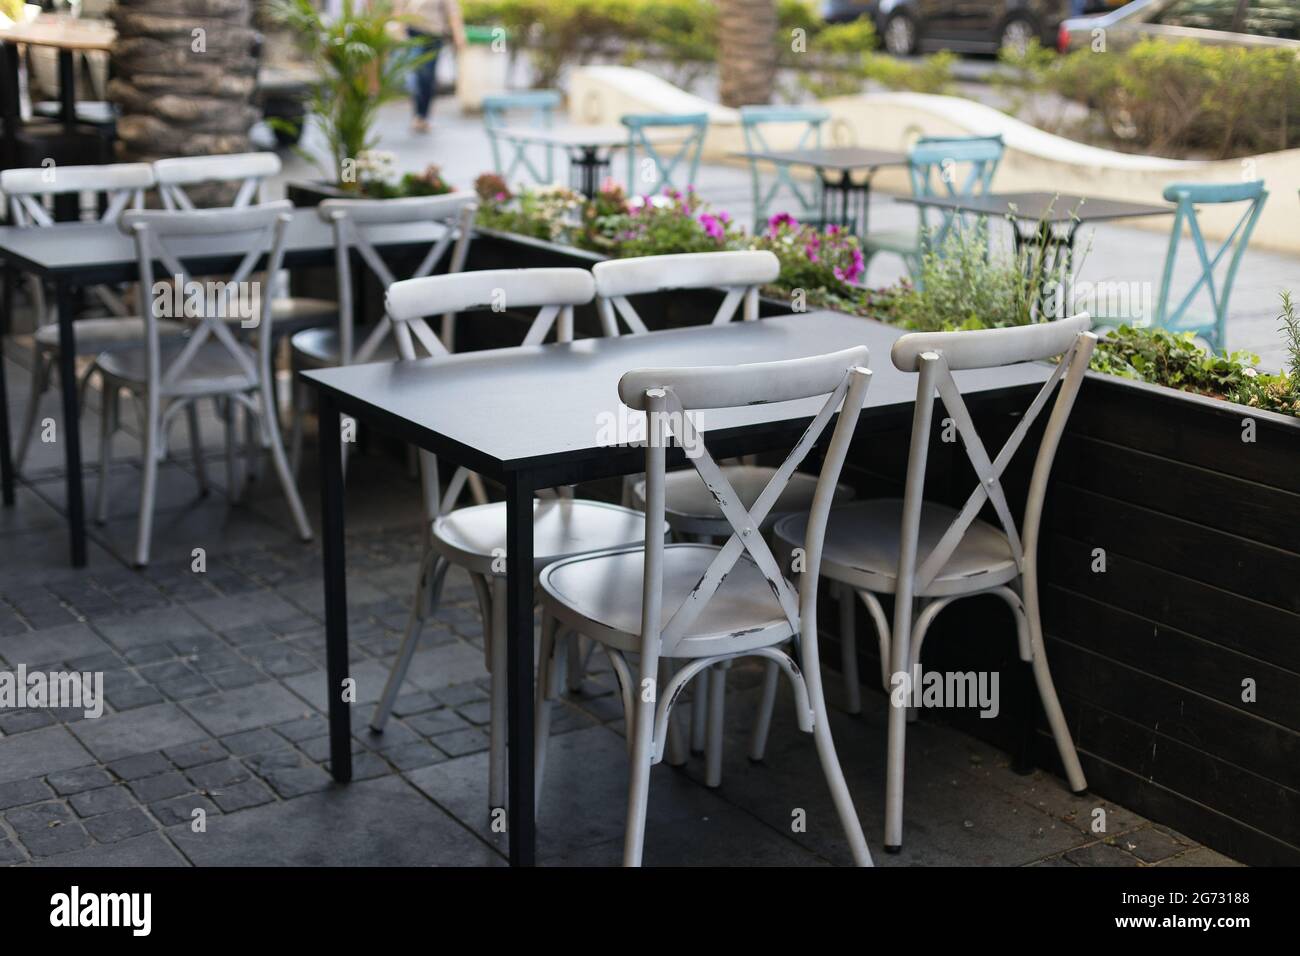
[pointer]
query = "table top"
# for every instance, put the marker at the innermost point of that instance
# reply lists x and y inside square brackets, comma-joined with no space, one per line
[1044,206]
[534,406]
[98,252]
[845,158]
[582,136]
[62,32]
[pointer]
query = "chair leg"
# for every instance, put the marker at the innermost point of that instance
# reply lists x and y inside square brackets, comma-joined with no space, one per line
[107,427]
[41,372]
[196,446]
[763,719]
[574,661]
[835,778]
[297,410]
[271,427]
[877,612]
[252,448]
[849,650]
[1047,690]
[548,672]
[149,483]
[699,714]
[717,714]
[638,791]
[497,744]
[430,565]
[676,752]
[229,415]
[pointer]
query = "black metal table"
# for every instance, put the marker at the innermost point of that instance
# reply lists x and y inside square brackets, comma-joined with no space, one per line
[75,255]
[530,418]
[836,166]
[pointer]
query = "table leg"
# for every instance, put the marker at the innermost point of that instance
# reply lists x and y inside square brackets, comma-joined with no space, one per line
[6,456]
[336,600]
[67,89]
[71,422]
[522,825]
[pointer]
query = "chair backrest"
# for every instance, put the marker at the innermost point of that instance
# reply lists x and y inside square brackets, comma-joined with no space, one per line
[1187,196]
[206,304]
[662,160]
[247,169]
[554,292]
[533,108]
[668,396]
[807,122]
[951,166]
[354,222]
[124,186]
[741,273]
[936,355]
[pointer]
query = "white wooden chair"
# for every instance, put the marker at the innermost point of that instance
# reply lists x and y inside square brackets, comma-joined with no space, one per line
[708,604]
[692,512]
[474,537]
[353,222]
[124,186]
[942,554]
[168,376]
[248,172]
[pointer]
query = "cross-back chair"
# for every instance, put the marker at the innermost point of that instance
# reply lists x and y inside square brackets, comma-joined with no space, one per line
[354,223]
[662,158]
[757,123]
[473,537]
[1213,279]
[939,166]
[944,554]
[123,186]
[533,107]
[168,376]
[706,604]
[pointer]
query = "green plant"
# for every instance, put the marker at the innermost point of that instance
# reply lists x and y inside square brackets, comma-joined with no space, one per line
[824,264]
[932,75]
[363,59]
[673,221]
[1291,333]
[543,212]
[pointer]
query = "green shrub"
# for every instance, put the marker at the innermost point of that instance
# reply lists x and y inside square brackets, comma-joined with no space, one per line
[932,75]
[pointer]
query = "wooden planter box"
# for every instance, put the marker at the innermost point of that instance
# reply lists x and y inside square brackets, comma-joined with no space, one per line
[1201,590]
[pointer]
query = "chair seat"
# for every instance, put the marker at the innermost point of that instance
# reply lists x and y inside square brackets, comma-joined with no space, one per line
[862,545]
[600,596]
[95,335]
[900,241]
[692,509]
[475,537]
[289,310]
[213,370]
[319,348]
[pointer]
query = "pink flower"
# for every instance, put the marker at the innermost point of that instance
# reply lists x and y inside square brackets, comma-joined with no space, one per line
[713,227]
[855,269]
[774,223]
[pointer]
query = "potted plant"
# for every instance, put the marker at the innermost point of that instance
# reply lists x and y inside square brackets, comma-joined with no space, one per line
[362,61]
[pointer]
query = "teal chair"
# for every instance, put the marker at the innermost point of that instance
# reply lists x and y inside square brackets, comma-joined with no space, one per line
[753,119]
[535,108]
[939,166]
[664,157]
[1180,317]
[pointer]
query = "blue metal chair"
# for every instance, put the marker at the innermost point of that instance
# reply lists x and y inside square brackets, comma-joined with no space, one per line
[752,121]
[1179,318]
[664,162]
[939,166]
[538,107]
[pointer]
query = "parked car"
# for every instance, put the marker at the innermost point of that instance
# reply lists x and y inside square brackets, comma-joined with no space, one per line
[965,26]
[1247,23]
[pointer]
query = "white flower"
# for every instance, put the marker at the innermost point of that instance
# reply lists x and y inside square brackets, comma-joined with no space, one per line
[1249,372]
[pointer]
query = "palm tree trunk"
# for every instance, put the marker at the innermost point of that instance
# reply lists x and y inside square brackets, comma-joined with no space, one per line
[184,72]
[746,50]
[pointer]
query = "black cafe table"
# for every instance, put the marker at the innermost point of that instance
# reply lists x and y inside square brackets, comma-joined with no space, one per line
[845,172]
[532,417]
[1049,221]
[74,256]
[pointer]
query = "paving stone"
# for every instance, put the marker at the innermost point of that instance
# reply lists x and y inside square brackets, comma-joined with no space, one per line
[282,759]
[265,608]
[47,828]
[248,793]
[224,773]
[366,766]
[141,765]
[304,728]
[37,753]
[476,712]
[150,653]
[252,742]
[187,688]
[93,802]
[1101,854]
[248,708]
[459,694]
[20,721]
[146,729]
[161,787]
[147,849]
[10,852]
[75,781]
[413,755]
[168,670]
[295,781]
[117,826]
[417,703]
[193,755]
[395,734]
[461,742]
[1150,845]
[232,678]
[135,630]
[180,810]
[129,698]
[21,792]
[437,722]
[52,645]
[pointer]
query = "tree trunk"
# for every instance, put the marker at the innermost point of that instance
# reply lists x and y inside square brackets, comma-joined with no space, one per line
[746,50]
[184,72]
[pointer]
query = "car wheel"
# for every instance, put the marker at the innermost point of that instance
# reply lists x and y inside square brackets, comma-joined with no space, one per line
[1017,34]
[900,35]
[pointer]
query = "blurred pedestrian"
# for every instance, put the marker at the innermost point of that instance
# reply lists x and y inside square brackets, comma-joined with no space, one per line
[432,23]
